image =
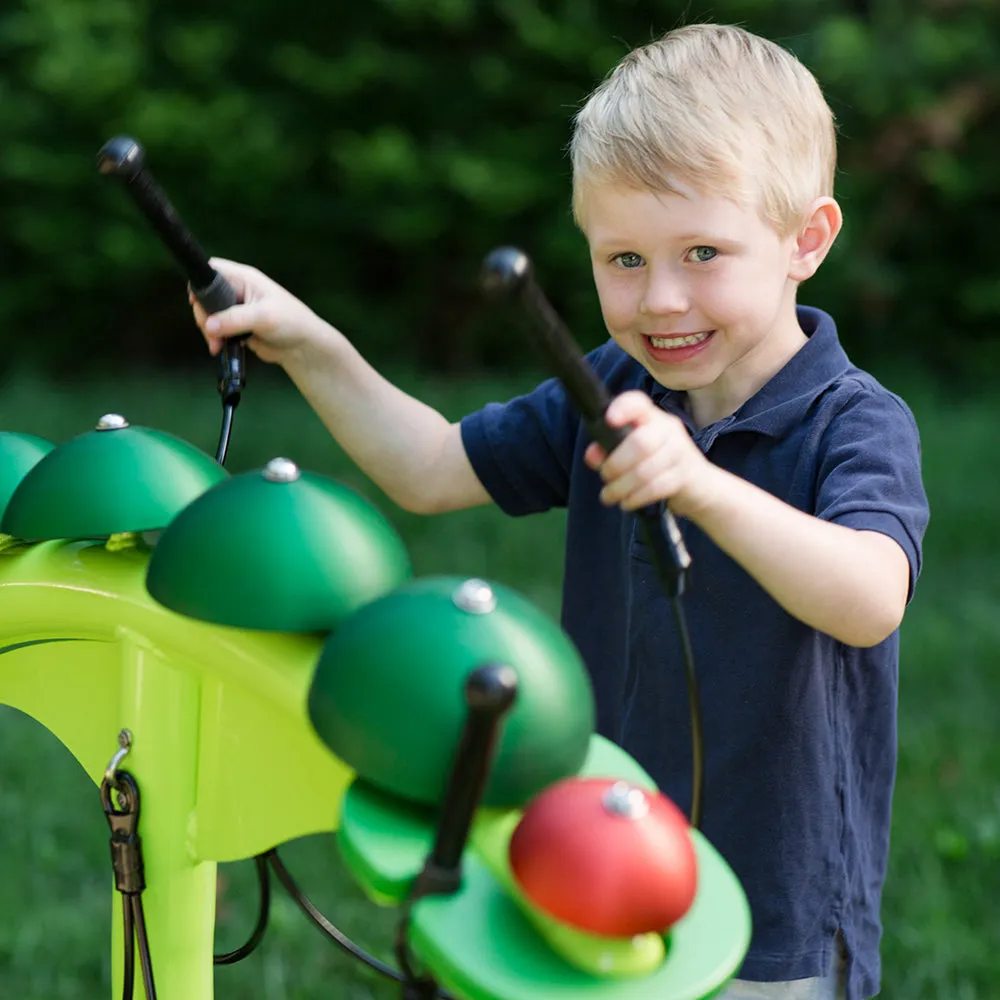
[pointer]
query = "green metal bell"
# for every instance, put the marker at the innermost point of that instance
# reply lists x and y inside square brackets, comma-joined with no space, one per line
[108,481]
[19,454]
[278,550]
[387,694]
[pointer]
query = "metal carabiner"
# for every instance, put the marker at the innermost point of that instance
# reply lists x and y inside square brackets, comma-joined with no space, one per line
[126,845]
[123,819]
[124,746]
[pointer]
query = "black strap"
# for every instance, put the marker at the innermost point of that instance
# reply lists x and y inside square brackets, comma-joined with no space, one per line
[130,878]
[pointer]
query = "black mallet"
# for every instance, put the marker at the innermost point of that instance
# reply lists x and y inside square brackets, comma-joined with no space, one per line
[124,158]
[507,271]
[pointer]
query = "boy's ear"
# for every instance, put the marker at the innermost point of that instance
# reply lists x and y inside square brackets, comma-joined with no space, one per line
[815,238]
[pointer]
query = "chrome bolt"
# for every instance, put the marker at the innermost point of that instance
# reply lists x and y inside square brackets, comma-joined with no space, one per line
[623,799]
[475,597]
[281,470]
[111,422]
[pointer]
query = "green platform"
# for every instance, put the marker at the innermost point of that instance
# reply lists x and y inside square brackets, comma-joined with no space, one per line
[486,944]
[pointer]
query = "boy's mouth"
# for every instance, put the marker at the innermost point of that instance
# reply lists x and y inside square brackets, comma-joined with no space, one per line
[678,348]
[679,339]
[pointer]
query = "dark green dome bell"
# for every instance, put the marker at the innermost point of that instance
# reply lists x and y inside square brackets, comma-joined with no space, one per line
[387,694]
[108,481]
[276,549]
[19,454]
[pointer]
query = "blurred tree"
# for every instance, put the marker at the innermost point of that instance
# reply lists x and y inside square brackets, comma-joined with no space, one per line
[369,155]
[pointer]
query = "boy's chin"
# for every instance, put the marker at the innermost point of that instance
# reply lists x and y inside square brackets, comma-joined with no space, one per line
[676,381]
[669,377]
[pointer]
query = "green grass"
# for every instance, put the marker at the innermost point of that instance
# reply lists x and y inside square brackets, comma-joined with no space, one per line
[941,903]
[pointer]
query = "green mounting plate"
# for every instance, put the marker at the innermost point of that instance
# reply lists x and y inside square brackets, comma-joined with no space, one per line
[481,946]
[485,945]
[383,841]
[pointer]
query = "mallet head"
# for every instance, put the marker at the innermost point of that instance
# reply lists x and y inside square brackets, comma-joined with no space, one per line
[505,269]
[121,156]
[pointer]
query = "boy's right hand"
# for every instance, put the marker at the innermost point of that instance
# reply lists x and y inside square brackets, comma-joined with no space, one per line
[279,323]
[413,453]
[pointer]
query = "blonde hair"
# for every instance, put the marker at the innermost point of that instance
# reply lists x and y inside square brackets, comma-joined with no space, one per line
[715,108]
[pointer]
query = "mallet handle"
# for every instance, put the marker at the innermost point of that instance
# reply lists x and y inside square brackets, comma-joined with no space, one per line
[125,159]
[508,270]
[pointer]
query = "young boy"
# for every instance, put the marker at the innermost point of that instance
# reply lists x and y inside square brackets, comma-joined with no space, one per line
[703,181]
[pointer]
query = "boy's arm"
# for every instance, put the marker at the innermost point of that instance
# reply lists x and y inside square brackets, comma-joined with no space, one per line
[851,584]
[412,452]
[409,449]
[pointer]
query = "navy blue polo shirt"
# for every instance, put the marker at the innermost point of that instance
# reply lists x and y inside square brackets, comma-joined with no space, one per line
[800,729]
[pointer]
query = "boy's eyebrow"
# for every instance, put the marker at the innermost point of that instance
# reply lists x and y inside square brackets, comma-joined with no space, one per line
[707,238]
[697,238]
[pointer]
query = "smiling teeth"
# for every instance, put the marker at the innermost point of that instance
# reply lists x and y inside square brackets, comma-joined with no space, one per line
[694,338]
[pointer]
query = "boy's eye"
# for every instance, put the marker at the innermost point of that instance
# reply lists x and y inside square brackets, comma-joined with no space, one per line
[702,255]
[628,260]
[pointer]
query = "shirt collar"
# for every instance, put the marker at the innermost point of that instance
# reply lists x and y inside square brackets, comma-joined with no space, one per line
[783,400]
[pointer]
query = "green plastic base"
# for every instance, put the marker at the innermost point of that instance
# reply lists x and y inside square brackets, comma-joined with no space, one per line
[383,841]
[482,945]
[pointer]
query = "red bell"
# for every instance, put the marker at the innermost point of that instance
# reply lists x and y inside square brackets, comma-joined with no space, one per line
[606,857]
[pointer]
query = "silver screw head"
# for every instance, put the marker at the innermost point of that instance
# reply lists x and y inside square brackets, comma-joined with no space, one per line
[475,597]
[111,422]
[623,799]
[281,470]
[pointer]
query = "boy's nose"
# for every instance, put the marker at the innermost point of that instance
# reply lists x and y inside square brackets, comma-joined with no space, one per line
[664,295]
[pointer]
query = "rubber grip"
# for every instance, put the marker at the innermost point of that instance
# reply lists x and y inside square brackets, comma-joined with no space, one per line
[660,531]
[217,296]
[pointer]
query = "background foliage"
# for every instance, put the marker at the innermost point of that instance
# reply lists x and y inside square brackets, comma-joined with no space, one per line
[368,155]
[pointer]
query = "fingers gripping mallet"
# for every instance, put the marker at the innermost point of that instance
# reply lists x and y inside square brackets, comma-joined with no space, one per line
[125,159]
[507,271]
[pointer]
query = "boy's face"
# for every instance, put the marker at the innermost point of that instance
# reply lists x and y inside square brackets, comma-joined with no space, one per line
[696,288]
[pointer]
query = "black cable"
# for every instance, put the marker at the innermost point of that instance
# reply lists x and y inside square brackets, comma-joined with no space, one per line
[326,927]
[694,700]
[238,954]
[333,933]
[228,409]
[399,944]
[126,862]
[143,942]
[415,985]
[341,939]
[128,964]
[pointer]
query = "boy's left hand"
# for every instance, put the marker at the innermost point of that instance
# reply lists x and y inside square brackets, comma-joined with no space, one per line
[657,461]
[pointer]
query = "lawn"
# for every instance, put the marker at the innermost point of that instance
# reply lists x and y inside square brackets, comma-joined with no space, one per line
[942,901]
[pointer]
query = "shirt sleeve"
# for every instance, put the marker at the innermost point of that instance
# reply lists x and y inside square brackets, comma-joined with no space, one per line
[523,450]
[869,476]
